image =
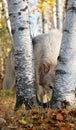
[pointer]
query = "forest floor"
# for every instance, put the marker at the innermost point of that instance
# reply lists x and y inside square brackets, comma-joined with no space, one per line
[35,119]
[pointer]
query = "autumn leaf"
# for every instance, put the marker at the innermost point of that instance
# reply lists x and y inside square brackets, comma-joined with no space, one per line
[65,128]
[2,121]
[23,122]
[34,117]
[72,125]
[59,117]
[34,111]
[49,113]
[12,127]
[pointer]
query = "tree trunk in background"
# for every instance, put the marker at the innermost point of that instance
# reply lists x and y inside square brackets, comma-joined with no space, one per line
[5,5]
[45,18]
[23,51]
[59,11]
[39,23]
[43,22]
[64,95]
[32,17]
[54,17]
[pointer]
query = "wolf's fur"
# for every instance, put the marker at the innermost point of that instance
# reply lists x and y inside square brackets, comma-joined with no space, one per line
[46,50]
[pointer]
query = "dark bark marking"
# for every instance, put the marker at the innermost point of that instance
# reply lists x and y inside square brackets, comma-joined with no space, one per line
[14,16]
[13,31]
[15,3]
[65,30]
[60,72]
[72,9]
[21,28]
[61,59]
[19,13]
[10,14]
[75,92]
[66,4]
[24,9]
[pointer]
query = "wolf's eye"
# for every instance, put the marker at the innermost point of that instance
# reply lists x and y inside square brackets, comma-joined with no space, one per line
[51,87]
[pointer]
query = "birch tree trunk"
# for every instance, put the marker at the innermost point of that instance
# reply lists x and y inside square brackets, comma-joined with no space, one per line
[54,17]
[59,10]
[45,19]
[25,77]
[39,24]
[64,95]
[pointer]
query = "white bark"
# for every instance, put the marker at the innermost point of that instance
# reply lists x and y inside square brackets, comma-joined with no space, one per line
[54,17]
[45,19]
[25,78]
[32,6]
[39,22]
[65,87]
[59,10]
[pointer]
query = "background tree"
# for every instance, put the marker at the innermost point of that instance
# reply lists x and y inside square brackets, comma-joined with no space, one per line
[23,52]
[5,7]
[45,8]
[52,14]
[59,12]
[64,95]
[4,41]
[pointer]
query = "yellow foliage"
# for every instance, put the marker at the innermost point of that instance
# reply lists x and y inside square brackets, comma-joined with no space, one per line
[42,4]
[52,2]
[1,23]
[33,11]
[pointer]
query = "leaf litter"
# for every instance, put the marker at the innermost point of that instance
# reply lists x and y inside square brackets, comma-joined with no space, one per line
[35,119]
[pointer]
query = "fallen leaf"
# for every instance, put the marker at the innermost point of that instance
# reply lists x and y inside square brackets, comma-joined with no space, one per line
[63,128]
[34,111]
[72,125]
[30,125]
[23,122]
[12,127]
[63,124]
[49,113]
[34,117]
[2,121]
[59,117]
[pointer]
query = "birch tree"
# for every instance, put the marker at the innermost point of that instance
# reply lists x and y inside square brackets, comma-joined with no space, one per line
[45,18]
[54,17]
[39,24]
[59,10]
[64,95]
[23,52]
